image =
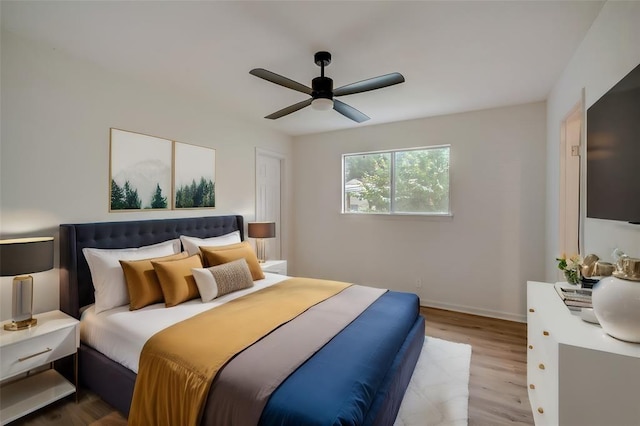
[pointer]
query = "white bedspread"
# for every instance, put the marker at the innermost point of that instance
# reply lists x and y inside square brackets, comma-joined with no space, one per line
[120,333]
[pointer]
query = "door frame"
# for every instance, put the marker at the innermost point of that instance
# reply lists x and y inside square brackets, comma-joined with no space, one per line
[267,153]
[577,112]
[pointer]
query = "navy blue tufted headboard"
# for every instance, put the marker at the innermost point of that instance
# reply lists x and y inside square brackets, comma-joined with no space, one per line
[76,288]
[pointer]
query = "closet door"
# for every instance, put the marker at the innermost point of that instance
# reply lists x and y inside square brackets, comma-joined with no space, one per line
[268,196]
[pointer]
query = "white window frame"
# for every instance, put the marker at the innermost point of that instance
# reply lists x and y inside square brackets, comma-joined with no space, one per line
[392,183]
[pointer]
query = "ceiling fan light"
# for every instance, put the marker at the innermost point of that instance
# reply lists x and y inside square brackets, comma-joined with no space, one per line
[322,104]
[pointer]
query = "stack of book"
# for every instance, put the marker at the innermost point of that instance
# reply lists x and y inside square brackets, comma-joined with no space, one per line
[574,297]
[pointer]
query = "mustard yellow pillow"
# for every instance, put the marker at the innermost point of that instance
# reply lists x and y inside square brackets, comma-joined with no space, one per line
[176,279]
[142,281]
[214,256]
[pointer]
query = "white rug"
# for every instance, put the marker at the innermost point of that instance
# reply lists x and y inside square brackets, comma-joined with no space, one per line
[438,393]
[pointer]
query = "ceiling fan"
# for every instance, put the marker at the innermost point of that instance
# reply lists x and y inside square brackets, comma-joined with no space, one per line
[322,92]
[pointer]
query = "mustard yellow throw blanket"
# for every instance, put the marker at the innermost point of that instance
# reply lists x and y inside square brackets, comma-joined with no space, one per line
[178,364]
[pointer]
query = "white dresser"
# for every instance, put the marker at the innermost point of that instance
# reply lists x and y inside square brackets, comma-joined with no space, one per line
[576,373]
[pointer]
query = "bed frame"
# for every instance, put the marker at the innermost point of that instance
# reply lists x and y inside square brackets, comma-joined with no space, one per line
[113,382]
[110,380]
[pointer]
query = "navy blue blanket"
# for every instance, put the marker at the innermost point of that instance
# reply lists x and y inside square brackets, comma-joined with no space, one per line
[338,385]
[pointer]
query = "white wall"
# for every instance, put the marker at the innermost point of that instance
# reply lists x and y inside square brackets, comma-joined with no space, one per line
[54,152]
[609,51]
[478,261]
[56,112]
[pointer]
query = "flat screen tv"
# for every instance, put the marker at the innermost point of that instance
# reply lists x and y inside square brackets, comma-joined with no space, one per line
[613,152]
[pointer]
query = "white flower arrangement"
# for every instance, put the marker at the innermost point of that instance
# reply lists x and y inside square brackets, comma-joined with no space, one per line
[570,267]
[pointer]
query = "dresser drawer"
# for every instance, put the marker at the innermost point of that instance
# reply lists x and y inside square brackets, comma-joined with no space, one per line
[27,354]
[542,367]
[543,393]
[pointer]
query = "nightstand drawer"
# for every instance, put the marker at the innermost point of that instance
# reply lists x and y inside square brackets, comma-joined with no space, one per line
[27,354]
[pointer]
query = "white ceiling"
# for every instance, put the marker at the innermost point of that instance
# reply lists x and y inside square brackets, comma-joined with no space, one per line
[456,56]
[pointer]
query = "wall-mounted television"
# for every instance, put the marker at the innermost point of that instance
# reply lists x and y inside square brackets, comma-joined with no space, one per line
[613,152]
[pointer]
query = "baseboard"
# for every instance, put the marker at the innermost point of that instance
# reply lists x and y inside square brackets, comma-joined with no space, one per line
[472,310]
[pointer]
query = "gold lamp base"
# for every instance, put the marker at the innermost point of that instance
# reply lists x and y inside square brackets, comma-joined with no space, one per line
[260,250]
[21,325]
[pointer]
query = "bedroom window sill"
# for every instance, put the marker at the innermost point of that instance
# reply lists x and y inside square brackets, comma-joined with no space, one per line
[400,216]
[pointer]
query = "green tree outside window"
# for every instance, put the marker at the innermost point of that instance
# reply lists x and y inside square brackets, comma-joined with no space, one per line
[397,182]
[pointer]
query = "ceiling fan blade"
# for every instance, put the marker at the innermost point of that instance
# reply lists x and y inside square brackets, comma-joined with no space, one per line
[349,111]
[280,80]
[370,84]
[289,109]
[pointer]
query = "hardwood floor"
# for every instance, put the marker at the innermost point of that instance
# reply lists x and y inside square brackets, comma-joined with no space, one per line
[497,386]
[498,382]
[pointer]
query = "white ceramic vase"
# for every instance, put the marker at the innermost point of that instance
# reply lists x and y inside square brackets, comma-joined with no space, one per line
[616,304]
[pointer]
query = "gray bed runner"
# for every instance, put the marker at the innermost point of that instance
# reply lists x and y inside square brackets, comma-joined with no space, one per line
[240,392]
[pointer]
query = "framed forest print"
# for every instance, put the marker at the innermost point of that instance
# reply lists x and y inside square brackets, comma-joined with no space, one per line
[139,171]
[194,170]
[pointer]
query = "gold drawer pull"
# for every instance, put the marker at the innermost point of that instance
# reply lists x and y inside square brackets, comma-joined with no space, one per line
[532,386]
[530,346]
[540,410]
[531,310]
[24,358]
[541,366]
[545,333]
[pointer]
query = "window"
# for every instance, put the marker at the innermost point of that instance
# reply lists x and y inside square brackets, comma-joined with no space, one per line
[408,181]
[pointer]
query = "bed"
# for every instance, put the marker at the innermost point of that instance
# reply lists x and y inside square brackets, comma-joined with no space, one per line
[115,383]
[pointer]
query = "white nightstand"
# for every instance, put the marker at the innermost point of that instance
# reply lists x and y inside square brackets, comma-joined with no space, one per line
[56,336]
[275,266]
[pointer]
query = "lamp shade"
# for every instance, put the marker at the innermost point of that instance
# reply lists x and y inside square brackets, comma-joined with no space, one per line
[262,229]
[25,256]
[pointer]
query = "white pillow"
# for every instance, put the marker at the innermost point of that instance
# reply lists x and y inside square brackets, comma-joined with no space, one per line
[106,273]
[192,244]
[206,283]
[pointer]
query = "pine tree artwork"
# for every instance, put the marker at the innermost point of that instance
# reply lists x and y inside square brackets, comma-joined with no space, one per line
[158,201]
[140,171]
[194,170]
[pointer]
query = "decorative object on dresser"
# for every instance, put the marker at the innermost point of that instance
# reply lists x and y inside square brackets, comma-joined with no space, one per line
[576,373]
[616,301]
[570,267]
[19,257]
[260,231]
[593,270]
[57,336]
[592,266]
[574,298]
